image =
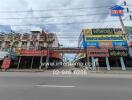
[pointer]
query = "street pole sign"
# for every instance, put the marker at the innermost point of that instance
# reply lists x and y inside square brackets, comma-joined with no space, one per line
[117,11]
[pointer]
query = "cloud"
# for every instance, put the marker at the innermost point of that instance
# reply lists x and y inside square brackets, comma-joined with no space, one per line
[70,30]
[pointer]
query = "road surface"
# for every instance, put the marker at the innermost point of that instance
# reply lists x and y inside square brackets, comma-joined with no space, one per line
[40,86]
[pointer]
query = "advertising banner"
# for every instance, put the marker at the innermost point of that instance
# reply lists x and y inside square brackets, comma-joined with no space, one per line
[103,31]
[104,38]
[118,53]
[6,63]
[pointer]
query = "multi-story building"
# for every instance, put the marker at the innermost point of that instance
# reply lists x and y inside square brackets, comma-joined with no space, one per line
[107,46]
[30,47]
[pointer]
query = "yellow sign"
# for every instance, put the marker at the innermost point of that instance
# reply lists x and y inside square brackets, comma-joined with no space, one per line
[87,32]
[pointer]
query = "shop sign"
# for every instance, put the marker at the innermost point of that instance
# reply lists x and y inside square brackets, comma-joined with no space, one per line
[98,53]
[105,43]
[33,52]
[104,38]
[120,43]
[103,31]
[55,55]
[91,44]
[118,53]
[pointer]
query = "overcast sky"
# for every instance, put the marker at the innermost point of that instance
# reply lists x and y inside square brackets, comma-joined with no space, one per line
[67,33]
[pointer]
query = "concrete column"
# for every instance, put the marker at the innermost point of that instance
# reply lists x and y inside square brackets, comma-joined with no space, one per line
[28,44]
[3,44]
[20,44]
[107,63]
[36,45]
[93,64]
[122,63]
[130,51]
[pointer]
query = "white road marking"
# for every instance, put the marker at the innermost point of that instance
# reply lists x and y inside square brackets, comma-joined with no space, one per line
[59,86]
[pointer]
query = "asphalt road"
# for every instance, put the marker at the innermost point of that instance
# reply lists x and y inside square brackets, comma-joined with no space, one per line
[40,86]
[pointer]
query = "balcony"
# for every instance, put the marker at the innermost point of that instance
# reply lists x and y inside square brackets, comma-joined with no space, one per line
[50,38]
[9,37]
[17,37]
[26,37]
[2,37]
[42,37]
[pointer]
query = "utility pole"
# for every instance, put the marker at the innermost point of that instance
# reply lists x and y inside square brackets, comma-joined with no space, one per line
[122,25]
[125,37]
[47,58]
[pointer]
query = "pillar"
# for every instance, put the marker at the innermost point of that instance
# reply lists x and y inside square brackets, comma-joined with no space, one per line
[107,63]
[122,63]
[93,64]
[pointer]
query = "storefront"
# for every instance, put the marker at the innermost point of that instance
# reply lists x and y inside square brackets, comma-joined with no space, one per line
[31,59]
[110,47]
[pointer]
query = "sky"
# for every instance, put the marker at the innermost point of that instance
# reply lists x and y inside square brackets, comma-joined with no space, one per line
[52,10]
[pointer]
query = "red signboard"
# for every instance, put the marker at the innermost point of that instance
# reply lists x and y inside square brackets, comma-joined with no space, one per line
[6,63]
[40,53]
[98,52]
[33,52]
[130,43]
[55,55]
[117,11]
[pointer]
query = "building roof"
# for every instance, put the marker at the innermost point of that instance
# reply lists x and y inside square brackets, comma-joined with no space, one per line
[117,7]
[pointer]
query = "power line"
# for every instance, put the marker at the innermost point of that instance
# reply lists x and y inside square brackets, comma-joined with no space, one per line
[42,17]
[64,23]
[60,9]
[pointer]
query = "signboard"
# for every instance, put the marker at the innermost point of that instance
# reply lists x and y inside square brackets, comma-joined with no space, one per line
[87,32]
[6,63]
[33,52]
[130,43]
[98,52]
[105,43]
[55,55]
[118,53]
[91,44]
[104,38]
[103,31]
[120,43]
[117,11]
